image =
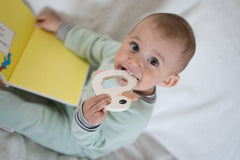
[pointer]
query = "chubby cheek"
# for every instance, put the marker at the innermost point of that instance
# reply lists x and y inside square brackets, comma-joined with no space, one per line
[146,82]
[120,58]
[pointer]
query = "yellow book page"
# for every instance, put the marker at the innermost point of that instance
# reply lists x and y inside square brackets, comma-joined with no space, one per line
[15,15]
[50,69]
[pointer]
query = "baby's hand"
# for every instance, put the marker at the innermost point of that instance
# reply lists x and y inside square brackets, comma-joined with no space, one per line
[93,109]
[49,22]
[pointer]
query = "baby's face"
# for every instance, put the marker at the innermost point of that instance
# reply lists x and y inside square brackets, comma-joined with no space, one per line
[147,56]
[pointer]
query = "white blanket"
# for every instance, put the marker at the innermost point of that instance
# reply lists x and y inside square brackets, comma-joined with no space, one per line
[199,118]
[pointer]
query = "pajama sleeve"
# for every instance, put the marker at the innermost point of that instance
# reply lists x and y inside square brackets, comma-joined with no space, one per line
[87,44]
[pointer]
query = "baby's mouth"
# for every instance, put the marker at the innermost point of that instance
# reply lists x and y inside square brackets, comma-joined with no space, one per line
[123,68]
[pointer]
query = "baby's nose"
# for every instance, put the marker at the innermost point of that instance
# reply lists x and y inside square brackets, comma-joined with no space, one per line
[136,61]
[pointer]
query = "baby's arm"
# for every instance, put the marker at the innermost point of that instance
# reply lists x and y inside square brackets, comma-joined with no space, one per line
[49,22]
[84,43]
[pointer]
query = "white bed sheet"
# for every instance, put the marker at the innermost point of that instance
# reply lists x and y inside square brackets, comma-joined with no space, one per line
[199,118]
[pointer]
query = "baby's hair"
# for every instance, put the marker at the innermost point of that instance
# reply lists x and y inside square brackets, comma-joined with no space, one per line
[178,29]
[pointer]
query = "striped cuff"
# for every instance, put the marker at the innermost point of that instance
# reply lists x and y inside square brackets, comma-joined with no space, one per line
[82,122]
[147,98]
[63,30]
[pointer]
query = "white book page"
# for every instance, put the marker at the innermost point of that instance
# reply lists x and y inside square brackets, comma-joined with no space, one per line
[6,36]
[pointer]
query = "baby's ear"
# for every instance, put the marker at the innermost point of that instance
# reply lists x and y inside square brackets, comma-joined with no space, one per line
[170,81]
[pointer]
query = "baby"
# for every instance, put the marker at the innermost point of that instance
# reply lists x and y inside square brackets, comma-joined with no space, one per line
[157,49]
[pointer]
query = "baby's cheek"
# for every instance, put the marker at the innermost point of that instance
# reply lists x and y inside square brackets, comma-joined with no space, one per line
[146,83]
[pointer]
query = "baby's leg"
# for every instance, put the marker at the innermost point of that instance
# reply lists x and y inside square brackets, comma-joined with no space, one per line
[46,124]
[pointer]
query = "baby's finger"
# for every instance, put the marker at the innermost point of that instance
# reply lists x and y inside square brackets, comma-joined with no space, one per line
[41,18]
[100,105]
[94,100]
[39,22]
[100,116]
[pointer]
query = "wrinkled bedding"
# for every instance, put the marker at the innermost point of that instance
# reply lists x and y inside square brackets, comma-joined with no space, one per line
[199,118]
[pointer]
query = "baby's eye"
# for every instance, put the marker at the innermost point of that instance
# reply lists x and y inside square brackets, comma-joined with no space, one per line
[134,46]
[153,61]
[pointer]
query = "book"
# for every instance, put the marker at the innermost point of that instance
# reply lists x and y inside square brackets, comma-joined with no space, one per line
[36,60]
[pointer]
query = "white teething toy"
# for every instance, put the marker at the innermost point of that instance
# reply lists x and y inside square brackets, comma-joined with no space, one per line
[121,96]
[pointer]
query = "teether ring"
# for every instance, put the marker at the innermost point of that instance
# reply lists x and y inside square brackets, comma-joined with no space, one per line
[121,96]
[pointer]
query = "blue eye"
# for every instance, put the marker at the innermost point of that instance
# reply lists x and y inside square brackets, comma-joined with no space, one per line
[134,46]
[153,61]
